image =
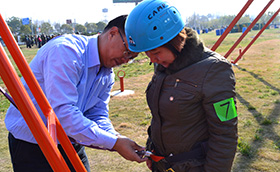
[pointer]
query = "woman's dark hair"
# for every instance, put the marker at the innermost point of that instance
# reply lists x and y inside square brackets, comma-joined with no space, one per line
[117,22]
[177,43]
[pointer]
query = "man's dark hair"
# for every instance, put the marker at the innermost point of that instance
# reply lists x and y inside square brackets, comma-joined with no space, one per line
[118,22]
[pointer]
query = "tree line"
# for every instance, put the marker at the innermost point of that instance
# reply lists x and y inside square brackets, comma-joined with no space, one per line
[215,22]
[34,28]
[195,21]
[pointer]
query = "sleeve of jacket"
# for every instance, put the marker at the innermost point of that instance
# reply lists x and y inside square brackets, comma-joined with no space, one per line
[219,85]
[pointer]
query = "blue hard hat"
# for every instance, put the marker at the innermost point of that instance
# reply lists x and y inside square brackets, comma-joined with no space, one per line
[151,24]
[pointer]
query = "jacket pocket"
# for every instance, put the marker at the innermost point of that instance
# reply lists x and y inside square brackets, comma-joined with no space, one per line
[186,86]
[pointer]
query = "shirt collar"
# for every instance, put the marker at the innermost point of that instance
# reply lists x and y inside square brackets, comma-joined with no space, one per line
[93,52]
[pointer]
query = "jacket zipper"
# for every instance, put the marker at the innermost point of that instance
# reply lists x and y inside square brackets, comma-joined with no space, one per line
[186,82]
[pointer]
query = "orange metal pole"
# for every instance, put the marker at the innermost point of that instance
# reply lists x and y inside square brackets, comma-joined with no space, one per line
[38,94]
[52,126]
[256,37]
[30,114]
[248,29]
[22,64]
[232,24]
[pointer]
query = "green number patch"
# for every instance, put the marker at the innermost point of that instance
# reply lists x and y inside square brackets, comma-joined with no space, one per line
[225,109]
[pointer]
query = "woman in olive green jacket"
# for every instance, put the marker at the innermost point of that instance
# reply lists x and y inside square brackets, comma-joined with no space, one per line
[191,95]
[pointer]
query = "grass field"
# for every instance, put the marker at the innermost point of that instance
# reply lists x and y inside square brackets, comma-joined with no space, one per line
[258,103]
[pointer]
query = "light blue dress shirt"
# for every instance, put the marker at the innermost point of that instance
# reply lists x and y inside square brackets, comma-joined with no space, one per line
[68,71]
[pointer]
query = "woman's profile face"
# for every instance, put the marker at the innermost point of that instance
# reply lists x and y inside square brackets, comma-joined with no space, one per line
[161,55]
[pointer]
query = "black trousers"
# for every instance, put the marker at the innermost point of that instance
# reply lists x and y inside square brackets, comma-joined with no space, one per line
[28,157]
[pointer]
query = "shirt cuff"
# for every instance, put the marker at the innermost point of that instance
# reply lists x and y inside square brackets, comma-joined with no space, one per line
[106,139]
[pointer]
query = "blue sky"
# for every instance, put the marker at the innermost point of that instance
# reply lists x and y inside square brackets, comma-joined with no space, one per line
[57,11]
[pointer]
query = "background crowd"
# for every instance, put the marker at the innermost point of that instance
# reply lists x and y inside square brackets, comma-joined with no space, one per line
[37,40]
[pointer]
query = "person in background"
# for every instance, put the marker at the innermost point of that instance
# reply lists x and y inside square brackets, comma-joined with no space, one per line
[39,40]
[28,41]
[75,72]
[191,95]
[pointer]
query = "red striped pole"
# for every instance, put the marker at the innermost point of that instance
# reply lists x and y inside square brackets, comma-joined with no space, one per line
[232,24]
[256,37]
[248,29]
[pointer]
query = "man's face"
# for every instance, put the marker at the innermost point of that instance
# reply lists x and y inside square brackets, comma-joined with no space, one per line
[120,54]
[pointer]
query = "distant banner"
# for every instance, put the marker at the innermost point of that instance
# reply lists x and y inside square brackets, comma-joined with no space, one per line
[68,21]
[25,21]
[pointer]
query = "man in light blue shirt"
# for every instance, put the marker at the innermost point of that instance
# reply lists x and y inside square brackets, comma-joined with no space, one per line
[75,73]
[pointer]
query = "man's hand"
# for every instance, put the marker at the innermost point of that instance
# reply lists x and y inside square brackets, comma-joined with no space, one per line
[127,149]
